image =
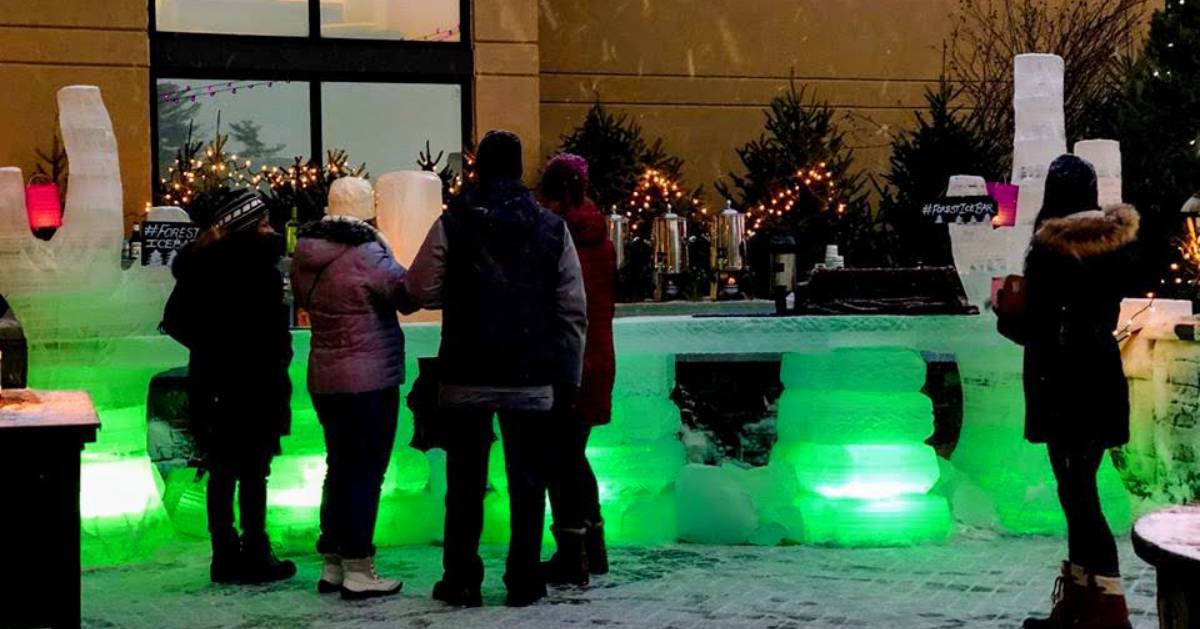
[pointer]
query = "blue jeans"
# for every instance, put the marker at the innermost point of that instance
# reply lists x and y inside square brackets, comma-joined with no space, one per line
[359,431]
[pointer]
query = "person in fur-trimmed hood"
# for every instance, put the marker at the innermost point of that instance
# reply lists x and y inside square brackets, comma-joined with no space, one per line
[1076,396]
[345,276]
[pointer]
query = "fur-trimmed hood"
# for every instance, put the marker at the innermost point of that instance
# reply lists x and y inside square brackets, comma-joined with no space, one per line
[322,242]
[344,230]
[1089,234]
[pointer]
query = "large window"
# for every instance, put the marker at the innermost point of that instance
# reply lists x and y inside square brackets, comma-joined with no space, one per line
[412,20]
[387,124]
[295,78]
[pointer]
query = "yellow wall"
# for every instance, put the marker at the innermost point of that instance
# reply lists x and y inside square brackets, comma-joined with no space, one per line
[506,72]
[699,72]
[48,44]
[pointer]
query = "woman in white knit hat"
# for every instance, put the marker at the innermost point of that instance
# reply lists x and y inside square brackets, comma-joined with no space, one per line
[346,277]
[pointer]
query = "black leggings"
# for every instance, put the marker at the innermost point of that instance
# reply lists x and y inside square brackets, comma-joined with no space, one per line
[1089,540]
[575,496]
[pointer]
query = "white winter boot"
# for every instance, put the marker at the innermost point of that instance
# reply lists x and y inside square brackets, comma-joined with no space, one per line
[332,575]
[362,581]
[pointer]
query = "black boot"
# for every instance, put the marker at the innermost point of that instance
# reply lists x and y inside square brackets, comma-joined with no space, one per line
[226,559]
[597,550]
[524,591]
[260,565]
[457,594]
[569,565]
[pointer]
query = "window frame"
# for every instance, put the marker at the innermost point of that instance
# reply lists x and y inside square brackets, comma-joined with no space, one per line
[312,59]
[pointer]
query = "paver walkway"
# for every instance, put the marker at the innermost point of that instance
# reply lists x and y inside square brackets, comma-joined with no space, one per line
[966,583]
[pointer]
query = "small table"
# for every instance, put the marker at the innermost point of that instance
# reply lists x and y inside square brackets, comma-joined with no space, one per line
[1169,540]
[41,436]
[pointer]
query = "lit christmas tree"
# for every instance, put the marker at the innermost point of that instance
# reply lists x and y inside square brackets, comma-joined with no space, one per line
[1159,129]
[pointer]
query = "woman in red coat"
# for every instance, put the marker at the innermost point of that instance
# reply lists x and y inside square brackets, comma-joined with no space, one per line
[575,500]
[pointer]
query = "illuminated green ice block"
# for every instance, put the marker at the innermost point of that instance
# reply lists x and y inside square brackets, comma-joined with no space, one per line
[635,483]
[840,416]
[855,369]
[644,375]
[898,521]
[1017,478]
[862,471]
[122,518]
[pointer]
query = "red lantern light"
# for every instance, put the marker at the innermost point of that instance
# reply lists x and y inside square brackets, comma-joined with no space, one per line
[1006,196]
[42,205]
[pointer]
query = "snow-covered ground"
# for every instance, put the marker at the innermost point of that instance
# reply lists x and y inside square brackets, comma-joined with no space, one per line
[973,581]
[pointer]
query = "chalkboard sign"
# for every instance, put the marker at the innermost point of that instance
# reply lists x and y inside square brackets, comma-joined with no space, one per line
[161,242]
[961,209]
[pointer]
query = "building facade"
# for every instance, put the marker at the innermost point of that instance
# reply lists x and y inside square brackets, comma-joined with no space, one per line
[299,77]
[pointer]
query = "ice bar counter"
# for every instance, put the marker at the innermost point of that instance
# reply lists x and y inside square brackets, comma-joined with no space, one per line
[849,467]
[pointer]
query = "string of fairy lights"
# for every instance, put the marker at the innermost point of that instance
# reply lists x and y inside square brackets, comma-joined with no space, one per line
[655,193]
[816,182]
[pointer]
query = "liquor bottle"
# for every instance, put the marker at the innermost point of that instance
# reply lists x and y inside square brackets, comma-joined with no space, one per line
[135,244]
[292,231]
[126,257]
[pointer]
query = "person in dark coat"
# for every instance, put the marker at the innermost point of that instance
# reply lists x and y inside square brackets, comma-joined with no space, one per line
[505,274]
[575,501]
[228,309]
[1076,395]
[346,277]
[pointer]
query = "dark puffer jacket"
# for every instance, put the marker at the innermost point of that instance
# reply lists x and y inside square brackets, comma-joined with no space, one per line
[1077,274]
[346,277]
[228,310]
[598,260]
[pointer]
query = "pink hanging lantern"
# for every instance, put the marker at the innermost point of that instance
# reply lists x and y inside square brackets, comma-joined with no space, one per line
[1006,203]
[42,204]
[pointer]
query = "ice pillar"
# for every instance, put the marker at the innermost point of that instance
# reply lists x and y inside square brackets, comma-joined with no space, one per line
[981,253]
[407,204]
[852,424]
[1105,157]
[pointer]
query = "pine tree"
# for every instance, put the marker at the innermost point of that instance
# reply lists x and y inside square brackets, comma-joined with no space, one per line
[944,142]
[1158,124]
[175,124]
[615,150]
[247,133]
[640,179]
[798,180]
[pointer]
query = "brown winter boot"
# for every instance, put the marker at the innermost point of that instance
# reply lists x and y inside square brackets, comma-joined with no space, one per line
[1066,599]
[597,550]
[1103,605]
[569,565]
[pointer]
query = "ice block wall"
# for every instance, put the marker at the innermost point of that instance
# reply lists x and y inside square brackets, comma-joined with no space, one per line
[851,425]
[981,252]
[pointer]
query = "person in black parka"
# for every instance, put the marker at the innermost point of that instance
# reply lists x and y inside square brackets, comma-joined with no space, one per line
[228,309]
[1076,395]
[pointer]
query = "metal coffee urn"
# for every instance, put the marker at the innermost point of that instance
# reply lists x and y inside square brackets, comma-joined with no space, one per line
[618,233]
[783,270]
[729,252]
[669,241]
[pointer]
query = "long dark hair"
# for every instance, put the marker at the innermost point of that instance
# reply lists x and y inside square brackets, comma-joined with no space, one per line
[1070,189]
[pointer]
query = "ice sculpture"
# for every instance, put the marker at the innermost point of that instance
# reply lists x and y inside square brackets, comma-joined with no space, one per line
[851,424]
[981,253]
[72,286]
[407,204]
[168,214]
[80,312]
[966,186]
[1105,157]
